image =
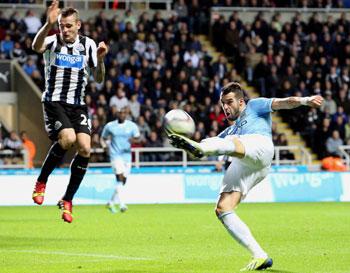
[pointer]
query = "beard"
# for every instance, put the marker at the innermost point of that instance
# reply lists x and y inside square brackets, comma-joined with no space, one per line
[232,116]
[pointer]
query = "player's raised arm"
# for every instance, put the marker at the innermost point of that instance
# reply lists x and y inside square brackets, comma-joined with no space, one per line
[99,71]
[294,102]
[51,18]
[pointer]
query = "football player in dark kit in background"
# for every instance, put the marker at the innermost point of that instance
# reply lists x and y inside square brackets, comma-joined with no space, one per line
[69,59]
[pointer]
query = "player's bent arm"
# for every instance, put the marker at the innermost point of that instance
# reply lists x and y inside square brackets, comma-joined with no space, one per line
[99,71]
[38,44]
[134,140]
[294,102]
[103,142]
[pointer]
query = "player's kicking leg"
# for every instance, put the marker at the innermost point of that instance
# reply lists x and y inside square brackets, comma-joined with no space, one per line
[207,147]
[182,142]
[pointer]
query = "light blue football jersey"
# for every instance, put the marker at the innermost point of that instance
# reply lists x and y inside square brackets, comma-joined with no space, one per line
[255,119]
[120,133]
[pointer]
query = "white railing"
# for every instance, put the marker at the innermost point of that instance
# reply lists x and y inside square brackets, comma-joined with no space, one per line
[345,153]
[10,153]
[303,157]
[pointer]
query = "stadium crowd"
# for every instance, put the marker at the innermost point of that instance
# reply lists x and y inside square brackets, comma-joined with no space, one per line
[246,3]
[156,64]
[298,58]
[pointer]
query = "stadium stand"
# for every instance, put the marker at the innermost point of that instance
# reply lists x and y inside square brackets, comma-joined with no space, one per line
[157,63]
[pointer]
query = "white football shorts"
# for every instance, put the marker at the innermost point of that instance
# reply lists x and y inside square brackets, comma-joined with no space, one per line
[244,173]
[121,166]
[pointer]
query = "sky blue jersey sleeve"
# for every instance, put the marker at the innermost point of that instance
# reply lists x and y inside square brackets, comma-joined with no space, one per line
[261,105]
[105,132]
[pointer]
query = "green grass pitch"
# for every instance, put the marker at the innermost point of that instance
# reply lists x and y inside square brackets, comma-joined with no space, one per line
[186,238]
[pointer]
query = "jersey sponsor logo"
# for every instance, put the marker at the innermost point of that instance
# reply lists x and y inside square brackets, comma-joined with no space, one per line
[69,61]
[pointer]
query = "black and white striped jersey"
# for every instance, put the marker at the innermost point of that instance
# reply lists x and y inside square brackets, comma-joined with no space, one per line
[67,68]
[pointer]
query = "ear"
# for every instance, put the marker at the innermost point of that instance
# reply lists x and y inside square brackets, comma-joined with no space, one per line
[79,24]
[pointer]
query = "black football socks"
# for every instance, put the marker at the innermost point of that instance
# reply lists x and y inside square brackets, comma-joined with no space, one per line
[54,156]
[78,170]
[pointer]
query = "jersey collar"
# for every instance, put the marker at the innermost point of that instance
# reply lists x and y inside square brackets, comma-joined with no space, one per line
[69,45]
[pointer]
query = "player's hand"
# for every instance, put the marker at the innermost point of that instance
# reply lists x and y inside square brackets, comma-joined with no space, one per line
[102,50]
[315,101]
[53,12]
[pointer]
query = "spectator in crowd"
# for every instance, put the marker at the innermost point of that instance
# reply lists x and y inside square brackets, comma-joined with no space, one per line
[119,100]
[329,104]
[284,154]
[144,129]
[30,67]
[153,141]
[13,142]
[332,144]
[134,106]
[7,46]
[32,23]
[30,147]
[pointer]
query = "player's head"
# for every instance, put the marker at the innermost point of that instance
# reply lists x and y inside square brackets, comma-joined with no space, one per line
[69,24]
[122,115]
[232,100]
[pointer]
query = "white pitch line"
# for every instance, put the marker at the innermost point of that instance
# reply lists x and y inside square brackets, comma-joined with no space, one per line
[114,257]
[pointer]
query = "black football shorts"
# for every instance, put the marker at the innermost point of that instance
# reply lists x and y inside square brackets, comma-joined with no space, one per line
[60,115]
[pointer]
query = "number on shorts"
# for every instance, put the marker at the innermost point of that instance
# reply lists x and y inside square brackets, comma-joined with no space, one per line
[84,121]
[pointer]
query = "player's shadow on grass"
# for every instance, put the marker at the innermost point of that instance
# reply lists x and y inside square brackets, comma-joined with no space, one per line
[279,271]
[129,271]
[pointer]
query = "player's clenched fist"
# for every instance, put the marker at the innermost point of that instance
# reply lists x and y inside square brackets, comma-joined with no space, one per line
[315,101]
[102,50]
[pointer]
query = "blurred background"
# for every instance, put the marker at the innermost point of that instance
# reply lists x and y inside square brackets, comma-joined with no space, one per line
[167,54]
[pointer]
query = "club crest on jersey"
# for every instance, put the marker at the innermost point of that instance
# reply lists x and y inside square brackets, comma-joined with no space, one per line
[80,47]
[69,61]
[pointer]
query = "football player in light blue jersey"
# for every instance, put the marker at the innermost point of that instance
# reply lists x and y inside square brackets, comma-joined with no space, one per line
[249,142]
[121,133]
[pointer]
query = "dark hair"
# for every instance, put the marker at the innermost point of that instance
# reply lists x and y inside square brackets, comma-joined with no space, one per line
[233,87]
[70,11]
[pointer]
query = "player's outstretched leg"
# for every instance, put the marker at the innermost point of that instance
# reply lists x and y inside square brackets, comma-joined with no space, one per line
[67,210]
[182,142]
[53,157]
[258,264]
[39,192]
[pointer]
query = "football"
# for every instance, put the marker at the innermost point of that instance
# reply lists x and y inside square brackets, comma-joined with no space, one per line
[180,122]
